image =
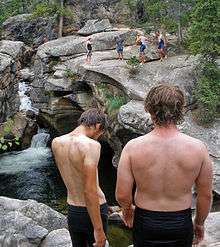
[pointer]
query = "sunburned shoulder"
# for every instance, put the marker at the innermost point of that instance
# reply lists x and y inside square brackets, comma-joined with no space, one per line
[135,142]
[193,142]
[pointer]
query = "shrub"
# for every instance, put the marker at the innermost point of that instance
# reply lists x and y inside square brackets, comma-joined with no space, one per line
[207,91]
[133,66]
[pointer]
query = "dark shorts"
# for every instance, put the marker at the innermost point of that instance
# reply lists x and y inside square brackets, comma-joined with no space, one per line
[161,45]
[119,49]
[142,47]
[89,53]
[162,229]
[80,226]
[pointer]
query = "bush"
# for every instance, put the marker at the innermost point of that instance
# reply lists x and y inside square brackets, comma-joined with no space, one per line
[133,66]
[207,91]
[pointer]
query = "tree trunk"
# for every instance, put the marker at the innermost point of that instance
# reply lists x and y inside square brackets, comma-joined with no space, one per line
[60,33]
[179,33]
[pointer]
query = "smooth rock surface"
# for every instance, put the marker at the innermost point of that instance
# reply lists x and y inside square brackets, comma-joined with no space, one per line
[57,238]
[72,45]
[95,26]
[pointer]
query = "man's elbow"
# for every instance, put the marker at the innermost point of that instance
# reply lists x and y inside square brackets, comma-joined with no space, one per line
[121,198]
[89,193]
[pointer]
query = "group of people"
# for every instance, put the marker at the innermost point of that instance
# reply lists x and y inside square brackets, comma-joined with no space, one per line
[141,40]
[155,176]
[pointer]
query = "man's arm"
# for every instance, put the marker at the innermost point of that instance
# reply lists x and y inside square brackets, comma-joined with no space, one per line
[91,160]
[204,196]
[124,187]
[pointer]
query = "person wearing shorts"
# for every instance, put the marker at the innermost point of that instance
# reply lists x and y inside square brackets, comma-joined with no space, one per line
[77,156]
[89,50]
[161,45]
[164,165]
[119,47]
[141,40]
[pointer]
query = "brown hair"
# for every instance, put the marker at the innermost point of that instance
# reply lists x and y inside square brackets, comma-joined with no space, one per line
[92,117]
[165,102]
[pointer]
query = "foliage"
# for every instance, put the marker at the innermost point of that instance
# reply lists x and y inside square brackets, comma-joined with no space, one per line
[50,9]
[133,66]
[160,13]
[207,91]
[71,75]
[204,32]
[7,143]
[112,101]
[203,38]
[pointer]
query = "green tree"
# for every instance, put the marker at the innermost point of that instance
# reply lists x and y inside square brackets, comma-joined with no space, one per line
[204,33]
[204,39]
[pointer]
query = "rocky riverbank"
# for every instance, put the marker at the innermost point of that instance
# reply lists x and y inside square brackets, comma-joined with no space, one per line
[29,223]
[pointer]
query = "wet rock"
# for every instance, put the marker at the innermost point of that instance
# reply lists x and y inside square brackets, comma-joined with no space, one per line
[26,74]
[57,238]
[95,26]
[28,29]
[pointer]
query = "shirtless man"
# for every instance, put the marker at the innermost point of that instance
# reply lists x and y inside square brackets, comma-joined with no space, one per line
[165,164]
[77,156]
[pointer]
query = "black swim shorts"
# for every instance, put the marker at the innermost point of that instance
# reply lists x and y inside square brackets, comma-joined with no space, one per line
[80,226]
[162,229]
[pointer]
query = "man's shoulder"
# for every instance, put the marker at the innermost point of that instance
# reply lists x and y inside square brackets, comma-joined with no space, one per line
[88,143]
[193,142]
[135,142]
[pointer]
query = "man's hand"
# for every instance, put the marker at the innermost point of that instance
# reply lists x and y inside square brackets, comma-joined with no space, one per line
[198,233]
[128,216]
[100,238]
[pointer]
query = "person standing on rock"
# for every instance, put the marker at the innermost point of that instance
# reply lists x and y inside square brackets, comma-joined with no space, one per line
[142,41]
[119,47]
[77,155]
[161,45]
[165,164]
[89,50]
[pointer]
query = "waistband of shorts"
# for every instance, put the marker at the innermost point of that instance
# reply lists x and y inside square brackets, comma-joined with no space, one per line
[184,212]
[81,209]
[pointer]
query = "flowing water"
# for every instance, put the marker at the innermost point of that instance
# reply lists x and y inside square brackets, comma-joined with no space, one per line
[32,174]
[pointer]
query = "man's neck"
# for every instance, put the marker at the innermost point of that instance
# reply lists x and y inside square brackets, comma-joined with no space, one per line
[81,130]
[167,130]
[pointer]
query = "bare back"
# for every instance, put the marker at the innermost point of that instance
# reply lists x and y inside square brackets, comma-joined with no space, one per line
[70,152]
[165,169]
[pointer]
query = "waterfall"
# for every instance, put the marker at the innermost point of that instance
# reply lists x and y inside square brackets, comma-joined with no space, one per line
[25,101]
[40,139]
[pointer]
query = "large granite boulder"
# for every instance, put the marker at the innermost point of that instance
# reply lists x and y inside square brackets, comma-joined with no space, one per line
[57,238]
[95,26]
[30,30]
[43,215]
[72,45]
[11,55]
[31,224]
[19,230]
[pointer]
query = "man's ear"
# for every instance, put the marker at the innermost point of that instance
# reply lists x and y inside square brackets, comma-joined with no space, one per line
[98,126]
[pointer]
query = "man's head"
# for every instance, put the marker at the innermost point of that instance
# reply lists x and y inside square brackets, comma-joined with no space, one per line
[95,121]
[165,104]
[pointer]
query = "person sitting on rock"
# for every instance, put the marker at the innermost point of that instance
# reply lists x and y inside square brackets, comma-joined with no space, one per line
[119,47]
[89,50]
[165,164]
[142,41]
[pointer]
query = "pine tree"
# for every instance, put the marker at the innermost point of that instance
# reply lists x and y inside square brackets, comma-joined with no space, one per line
[204,39]
[204,33]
